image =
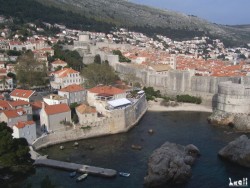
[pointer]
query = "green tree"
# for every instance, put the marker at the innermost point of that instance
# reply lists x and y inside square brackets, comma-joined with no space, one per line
[97,59]
[95,74]
[122,58]
[30,72]
[14,153]
[73,58]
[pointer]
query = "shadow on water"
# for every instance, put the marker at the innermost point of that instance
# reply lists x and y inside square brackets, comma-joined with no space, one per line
[115,152]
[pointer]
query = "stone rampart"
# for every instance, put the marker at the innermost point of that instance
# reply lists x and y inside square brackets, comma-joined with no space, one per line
[181,82]
[121,120]
[233,98]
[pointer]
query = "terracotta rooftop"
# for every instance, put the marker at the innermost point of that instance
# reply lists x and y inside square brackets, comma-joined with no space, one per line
[65,72]
[22,124]
[4,105]
[36,105]
[14,113]
[18,103]
[22,93]
[110,90]
[85,109]
[58,62]
[72,88]
[56,109]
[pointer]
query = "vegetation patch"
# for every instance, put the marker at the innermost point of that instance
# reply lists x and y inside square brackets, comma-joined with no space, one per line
[188,99]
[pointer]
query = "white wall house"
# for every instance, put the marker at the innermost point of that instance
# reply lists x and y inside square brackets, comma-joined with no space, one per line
[55,99]
[86,114]
[25,95]
[53,116]
[58,63]
[11,117]
[104,93]
[65,77]
[74,94]
[25,129]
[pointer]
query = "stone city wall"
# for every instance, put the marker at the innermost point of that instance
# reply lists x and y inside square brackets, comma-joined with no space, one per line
[121,120]
[181,82]
[233,98]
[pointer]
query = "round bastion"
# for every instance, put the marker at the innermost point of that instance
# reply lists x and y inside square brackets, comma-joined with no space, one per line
[233,97]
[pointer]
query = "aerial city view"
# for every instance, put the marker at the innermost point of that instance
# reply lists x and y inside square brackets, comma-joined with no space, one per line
[124,93]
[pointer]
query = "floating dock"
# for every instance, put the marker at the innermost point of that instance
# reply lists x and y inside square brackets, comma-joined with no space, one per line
[92,170]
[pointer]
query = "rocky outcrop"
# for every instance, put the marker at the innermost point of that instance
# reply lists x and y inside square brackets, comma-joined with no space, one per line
[240,122]
[237,151]
[170,164]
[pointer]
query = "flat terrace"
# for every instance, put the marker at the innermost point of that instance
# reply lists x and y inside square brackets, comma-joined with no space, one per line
[92,170]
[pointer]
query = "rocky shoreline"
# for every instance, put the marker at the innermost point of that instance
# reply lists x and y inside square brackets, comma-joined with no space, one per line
[240,122]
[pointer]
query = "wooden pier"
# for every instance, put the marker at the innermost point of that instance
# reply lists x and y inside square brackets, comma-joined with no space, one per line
[92,170]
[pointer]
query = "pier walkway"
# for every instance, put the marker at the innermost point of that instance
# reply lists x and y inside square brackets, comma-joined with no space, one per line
[92,170]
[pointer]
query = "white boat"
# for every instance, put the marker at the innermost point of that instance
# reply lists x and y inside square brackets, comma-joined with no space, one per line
[124,174]
[82,177]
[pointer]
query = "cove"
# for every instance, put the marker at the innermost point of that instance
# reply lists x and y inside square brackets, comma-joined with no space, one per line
[115,152]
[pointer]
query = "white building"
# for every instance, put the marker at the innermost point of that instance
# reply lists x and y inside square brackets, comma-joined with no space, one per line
[58,63]
[74,94]
[53,117]
[25,95]
[65,77]
[25,129]
[55,99]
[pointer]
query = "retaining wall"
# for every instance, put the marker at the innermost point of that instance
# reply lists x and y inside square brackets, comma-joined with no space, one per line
[120,121]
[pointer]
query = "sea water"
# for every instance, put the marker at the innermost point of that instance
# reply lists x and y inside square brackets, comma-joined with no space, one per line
[115,152]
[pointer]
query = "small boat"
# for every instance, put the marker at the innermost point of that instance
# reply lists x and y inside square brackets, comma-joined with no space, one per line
[136,147]
[82,177]
[75,144]
[72,174]
[61,147]
[124,174]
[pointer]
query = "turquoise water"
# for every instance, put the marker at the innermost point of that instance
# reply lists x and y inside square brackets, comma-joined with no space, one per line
[115,152]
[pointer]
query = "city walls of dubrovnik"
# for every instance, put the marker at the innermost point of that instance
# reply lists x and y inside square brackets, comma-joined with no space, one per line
[118,121]
[233,106]
[228,96]
[177,82]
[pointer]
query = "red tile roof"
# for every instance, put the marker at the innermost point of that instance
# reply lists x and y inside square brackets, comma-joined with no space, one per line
[85,109]
[22,93]
[14,113]
[58,62]
[72,88]
[110,90]
[22,124]
[36,105]
[56,109]
[18,103]
[65,72]
[4,105]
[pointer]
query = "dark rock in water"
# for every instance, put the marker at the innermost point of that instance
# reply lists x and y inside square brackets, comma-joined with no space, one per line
[170,164]
[237,151]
